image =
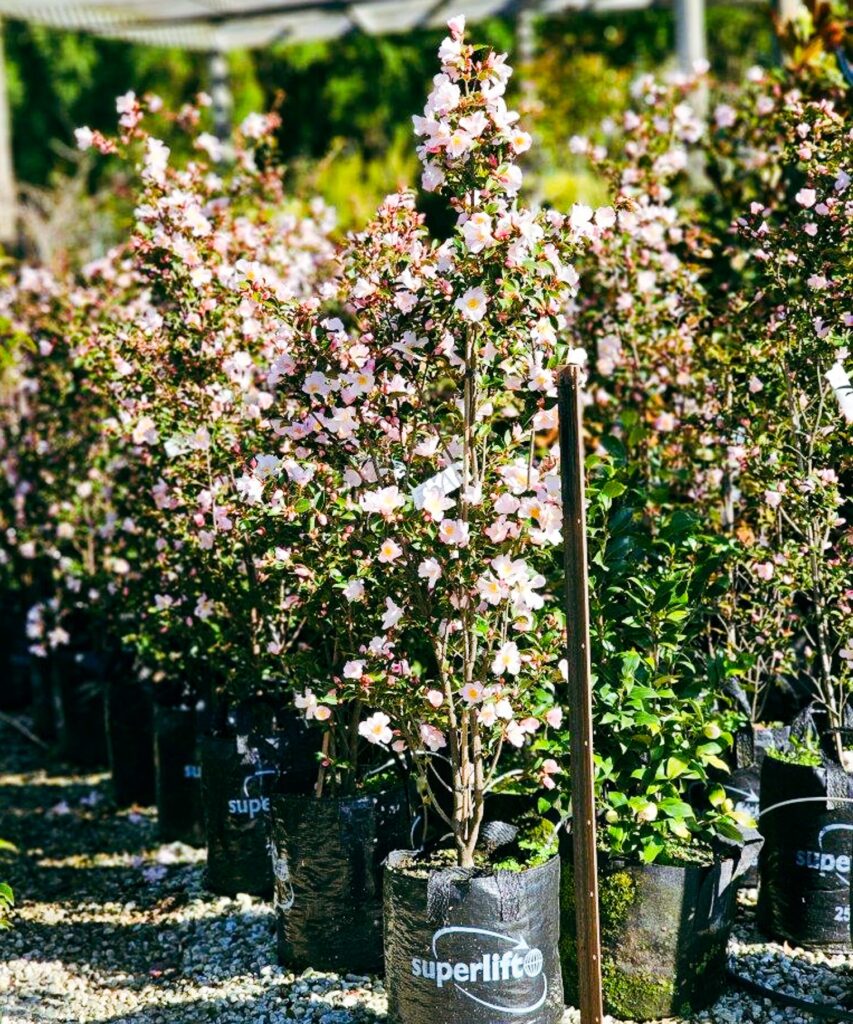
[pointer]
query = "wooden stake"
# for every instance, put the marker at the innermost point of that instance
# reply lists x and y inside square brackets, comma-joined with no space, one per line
[580,696]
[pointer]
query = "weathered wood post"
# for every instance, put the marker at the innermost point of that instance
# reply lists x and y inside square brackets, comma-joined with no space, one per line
[580,696]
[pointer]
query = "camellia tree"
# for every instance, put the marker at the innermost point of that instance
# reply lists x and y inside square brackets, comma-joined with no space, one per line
[422,407]
[791,401]
[187,382]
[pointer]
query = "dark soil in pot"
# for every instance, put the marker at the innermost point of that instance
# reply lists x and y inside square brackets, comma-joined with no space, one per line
[664,932]
[78,680]
[180,812]
[328,862]
[464,946]
[130,737]
[239,775]
[804,896]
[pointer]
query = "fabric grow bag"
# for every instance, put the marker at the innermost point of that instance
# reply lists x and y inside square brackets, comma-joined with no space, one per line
[664,932]
[239,775]
[130,739]
[180,812]
[752,743]
[44,708]
[327,860]
[479,949]
[804,896]
[78,685]
[15,683]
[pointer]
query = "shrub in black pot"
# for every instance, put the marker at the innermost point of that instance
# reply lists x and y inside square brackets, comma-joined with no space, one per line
[667,897]
[475,944]
[805,865]
[130,735]
[15,679]
[240,769]
[78,680]
[664,933]
[177,765]
[328,860]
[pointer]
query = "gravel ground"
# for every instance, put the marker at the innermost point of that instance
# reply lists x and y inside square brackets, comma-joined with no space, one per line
[113,927]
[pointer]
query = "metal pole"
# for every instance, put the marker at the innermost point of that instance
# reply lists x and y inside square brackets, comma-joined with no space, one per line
[220,94]
[8,196]
[580,697]
[691,44]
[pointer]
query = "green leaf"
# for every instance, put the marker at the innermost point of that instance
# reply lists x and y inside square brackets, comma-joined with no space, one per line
[675,767]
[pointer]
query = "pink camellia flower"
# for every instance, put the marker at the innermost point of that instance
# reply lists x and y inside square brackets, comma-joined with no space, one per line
[389,551]
[454,531]
[515,734]
[772,498]
[432,738]
[806,197]
[764,570]
[549,768]
[384,501]
[435,697]
[755,385]
[724,115]
[472,693]
[487,715]
[554,717]
[457,26]
[375,729]
[353,670]
[322,713]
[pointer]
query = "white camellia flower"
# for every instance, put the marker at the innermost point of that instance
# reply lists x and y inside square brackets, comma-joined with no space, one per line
[393,614]
[354,590]
[507,660]
[472,305]
[430,570]
[375,729]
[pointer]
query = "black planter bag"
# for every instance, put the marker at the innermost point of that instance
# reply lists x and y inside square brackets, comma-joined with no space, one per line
[180,812]
[752,743]
[45,699]
[461,948]
[239,775]
[78,680]
[130,738]
[15,683]
[328,860]
[664,933]
[804,896]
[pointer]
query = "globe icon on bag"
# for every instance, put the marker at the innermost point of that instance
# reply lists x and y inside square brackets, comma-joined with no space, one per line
[533,962]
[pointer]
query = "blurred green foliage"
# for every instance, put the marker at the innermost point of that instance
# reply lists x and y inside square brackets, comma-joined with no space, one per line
[347,103]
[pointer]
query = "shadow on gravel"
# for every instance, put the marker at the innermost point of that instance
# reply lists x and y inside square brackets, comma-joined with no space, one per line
[251,1011]
[147,950]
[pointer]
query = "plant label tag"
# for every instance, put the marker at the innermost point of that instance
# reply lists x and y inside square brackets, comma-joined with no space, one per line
[839,381]
[446,482]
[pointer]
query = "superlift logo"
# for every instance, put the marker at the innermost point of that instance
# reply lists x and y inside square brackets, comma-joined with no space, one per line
[516,961]
[823,860]
[252,805]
